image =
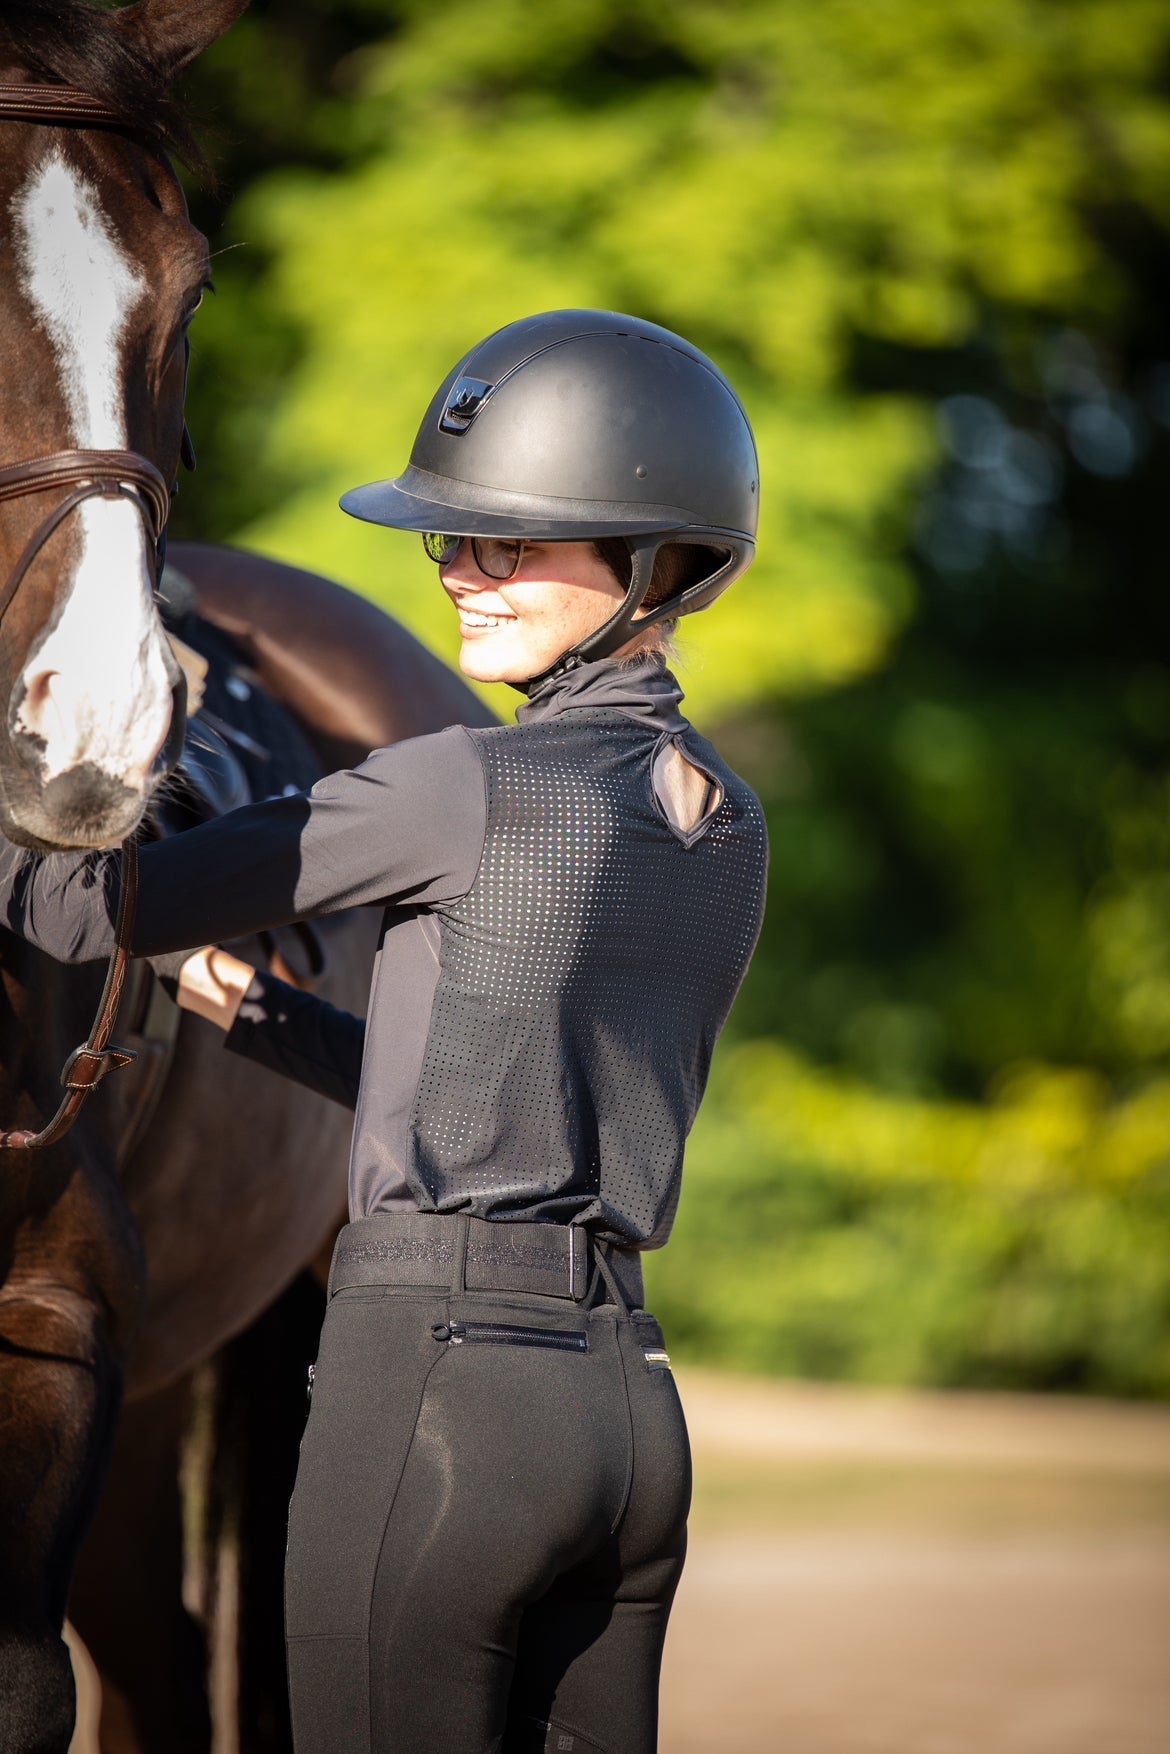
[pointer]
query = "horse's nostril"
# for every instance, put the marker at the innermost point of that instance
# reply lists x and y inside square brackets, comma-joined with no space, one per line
[46,726]
[38,702]
[117,721]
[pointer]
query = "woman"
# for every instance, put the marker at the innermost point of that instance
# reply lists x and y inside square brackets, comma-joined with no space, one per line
[489,1519]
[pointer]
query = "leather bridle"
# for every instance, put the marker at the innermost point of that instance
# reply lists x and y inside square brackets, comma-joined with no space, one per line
[91,475]
[87,475]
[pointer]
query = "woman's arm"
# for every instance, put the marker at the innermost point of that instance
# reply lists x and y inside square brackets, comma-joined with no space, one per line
[275,1025]
[367,834]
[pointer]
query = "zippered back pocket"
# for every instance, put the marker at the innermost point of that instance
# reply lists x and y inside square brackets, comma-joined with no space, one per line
[504,1334]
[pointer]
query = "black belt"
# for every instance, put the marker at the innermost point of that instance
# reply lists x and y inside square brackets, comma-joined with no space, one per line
[455,1252]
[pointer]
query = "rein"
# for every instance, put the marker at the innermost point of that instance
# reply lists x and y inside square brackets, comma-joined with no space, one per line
[88,475]
[87,1065]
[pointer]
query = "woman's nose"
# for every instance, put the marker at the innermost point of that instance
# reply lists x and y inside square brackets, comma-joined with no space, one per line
[462,569]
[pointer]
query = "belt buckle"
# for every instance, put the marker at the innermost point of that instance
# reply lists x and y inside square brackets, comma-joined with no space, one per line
[578,1275]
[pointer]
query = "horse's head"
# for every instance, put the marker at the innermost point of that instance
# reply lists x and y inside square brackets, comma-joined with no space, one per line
[101,272]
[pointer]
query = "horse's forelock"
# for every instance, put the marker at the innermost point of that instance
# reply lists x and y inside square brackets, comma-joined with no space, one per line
[74,42]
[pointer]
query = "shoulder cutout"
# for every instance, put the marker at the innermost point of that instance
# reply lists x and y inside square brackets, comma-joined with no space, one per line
[688,794]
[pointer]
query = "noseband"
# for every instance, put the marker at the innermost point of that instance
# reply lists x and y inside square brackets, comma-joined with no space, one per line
[92,475]
[87,475]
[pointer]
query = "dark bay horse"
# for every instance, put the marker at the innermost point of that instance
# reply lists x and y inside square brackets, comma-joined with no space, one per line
[117,1279]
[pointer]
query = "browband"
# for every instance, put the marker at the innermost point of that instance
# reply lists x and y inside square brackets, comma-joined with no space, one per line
[57,103]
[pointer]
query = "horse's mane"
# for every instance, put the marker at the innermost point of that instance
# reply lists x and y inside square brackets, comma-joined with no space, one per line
[74,42]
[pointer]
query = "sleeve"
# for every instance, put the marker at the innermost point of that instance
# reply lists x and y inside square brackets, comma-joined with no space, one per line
[407,825]
[301,1036]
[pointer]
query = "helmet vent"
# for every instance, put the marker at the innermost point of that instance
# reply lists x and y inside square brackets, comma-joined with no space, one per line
[464,403]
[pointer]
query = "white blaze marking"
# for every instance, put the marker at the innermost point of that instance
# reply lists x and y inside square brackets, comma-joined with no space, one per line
[106,699]
[82,289]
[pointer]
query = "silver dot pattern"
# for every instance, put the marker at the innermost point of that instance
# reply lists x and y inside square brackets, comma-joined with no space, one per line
[584,979]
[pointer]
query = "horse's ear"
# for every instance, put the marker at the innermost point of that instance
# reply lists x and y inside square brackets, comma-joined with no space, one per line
[173,33]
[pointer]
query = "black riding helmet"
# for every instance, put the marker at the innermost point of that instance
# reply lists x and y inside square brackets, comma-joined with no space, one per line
[580,426]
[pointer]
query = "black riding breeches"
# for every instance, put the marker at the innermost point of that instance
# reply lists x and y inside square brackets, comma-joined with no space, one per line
[488,1527]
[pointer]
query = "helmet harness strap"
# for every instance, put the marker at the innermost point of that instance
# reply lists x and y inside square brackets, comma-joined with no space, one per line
[612,634]
[625,621]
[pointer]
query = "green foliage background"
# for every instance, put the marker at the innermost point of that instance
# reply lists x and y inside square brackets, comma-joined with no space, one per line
[931,246]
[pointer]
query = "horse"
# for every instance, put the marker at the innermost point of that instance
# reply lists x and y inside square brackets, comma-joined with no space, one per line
[136,1247]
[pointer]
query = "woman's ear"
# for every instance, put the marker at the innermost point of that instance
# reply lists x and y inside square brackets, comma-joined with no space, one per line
[173,33]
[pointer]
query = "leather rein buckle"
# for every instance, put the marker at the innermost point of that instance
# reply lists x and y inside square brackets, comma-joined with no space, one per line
[87,1065]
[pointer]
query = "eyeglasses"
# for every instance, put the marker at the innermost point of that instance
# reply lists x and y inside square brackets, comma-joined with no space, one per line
[498,557]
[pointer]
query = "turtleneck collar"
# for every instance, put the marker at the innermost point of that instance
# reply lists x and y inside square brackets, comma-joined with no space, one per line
[645,689]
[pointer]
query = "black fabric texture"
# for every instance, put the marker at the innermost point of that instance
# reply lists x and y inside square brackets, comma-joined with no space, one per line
[584,980]
[643,688]
[365,835]
[301,1036]
[485,1539]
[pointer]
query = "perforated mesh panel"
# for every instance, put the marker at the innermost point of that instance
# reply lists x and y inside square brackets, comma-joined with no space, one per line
[584,980]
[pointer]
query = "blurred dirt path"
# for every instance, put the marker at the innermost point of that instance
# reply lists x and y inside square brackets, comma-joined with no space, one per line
[875,1573]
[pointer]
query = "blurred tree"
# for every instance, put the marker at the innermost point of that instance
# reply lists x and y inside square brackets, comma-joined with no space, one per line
[932,247]
[272,95]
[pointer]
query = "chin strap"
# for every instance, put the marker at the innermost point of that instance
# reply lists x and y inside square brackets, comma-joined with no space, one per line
[625,621]
[612,634]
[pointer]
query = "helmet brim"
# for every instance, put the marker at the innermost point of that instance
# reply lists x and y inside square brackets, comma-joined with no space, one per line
[420,501]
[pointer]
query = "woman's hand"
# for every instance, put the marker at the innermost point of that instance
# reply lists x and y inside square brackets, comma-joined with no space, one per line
[212,983]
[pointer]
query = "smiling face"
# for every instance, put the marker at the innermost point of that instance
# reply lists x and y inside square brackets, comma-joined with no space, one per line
[517,628]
